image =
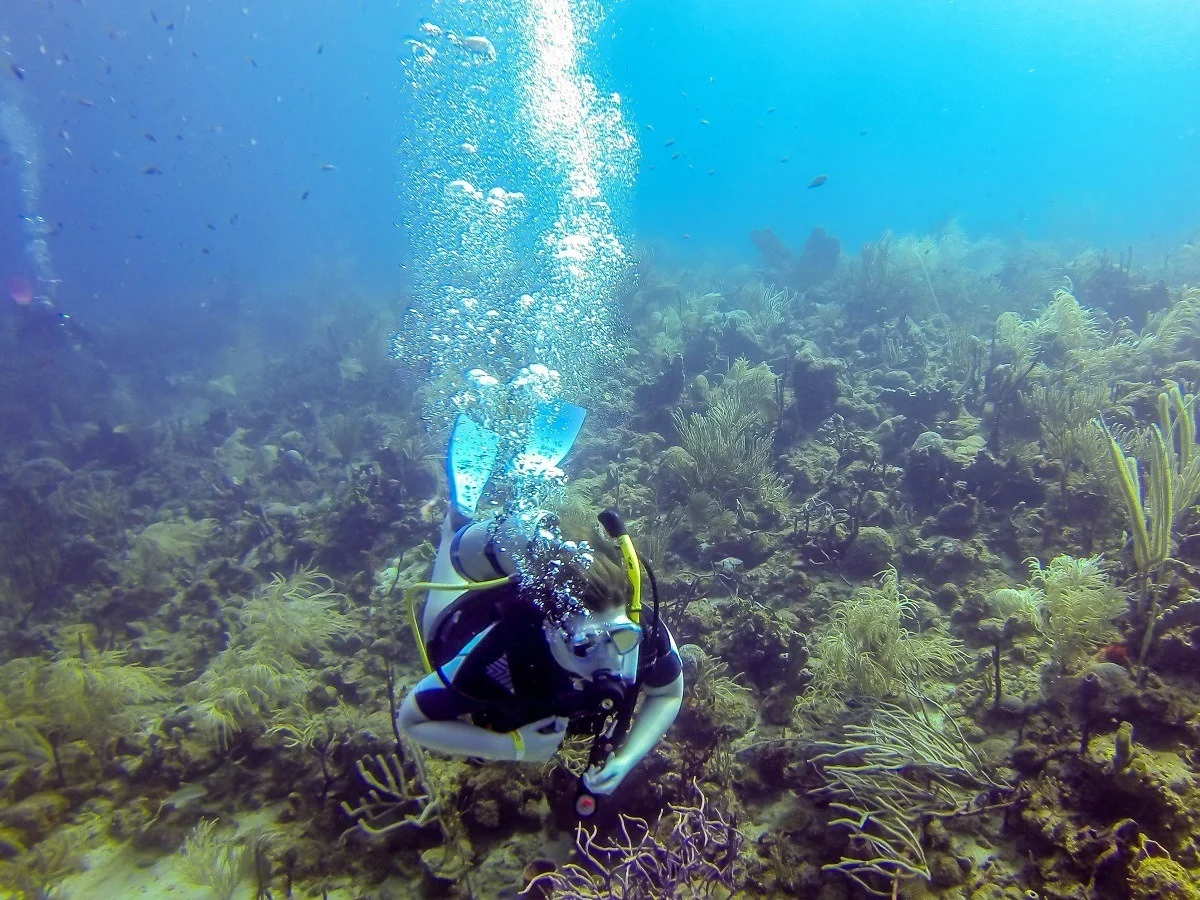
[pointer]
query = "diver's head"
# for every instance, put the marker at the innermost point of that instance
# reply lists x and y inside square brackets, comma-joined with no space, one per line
[586,624]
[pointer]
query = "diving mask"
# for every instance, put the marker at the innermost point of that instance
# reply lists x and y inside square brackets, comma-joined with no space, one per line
[590,645]
[623,634]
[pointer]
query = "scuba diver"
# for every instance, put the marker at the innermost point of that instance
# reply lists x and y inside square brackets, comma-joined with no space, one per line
[47,328]
[527,635]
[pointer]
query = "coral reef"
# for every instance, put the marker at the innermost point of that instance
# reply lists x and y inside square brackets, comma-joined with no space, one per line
[924,523]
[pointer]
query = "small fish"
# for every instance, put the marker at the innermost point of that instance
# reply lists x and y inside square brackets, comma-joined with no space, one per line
[328,167]
[210,226]
[84,101]
[712,171]
[670,143]
[704,122]
[179,137]
[205,250]
[785,159]
[818,181]
[252,61]
[320,49]
[185,796]
[304,195]
[171,26]
[17,70]
[148,136]
[154,17]
[676,155]
[151,170]
[770,110]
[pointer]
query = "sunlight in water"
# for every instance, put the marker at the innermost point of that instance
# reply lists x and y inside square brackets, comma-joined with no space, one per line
[517,188]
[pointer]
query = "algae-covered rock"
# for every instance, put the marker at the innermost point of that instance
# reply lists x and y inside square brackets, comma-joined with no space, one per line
[944,869]
[815,381]
[871,552]
[35,816]
[957,519]
[1003,485]
[43,472]
[935,463]
[1161,878]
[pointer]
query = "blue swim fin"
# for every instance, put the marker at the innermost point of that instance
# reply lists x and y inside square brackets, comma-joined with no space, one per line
[556,424]
[469,463]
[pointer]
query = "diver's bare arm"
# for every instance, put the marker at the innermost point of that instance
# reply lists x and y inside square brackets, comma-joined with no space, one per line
[452,736]
[461,739]
[533,742]
[659,709]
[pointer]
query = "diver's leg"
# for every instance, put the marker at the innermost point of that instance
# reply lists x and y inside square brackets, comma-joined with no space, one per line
[443,573]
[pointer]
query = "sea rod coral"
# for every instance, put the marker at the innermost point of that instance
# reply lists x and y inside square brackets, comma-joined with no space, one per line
[691,852]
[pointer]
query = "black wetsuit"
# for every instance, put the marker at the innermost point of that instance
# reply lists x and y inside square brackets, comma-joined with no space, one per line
[492,650]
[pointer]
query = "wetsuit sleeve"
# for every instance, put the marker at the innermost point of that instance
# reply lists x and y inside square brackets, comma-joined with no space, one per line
[439,702]
[664,666]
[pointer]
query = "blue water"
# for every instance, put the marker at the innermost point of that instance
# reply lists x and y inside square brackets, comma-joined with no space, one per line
[1076,122]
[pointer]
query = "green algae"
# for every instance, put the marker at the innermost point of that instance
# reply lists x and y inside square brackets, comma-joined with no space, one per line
[907,429]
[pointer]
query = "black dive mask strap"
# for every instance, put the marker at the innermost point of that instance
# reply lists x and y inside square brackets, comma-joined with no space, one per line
[612,728]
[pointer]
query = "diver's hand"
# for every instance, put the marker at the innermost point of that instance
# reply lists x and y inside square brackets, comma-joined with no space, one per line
[540,739]
[607,778]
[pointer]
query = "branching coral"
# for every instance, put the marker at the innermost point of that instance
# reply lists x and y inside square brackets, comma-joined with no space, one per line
[263,675]
[1022,604]
[1171,332]
[1154,508]
[163,546]
[728,446]
[394,798]
[83,694]
[1064,327]
[211,860]
[1071,603]
[1065,411]
[403,791]
[865,648]
[888,779]
[768,306]
[1079,604]
[690,852]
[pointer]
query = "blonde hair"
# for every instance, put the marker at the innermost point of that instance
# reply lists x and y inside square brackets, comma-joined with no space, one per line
[602,585]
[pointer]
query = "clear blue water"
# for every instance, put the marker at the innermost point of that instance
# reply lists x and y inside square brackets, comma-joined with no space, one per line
[1076,122]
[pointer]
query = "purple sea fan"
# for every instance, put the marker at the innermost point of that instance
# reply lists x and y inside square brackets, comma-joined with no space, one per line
[689,853]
